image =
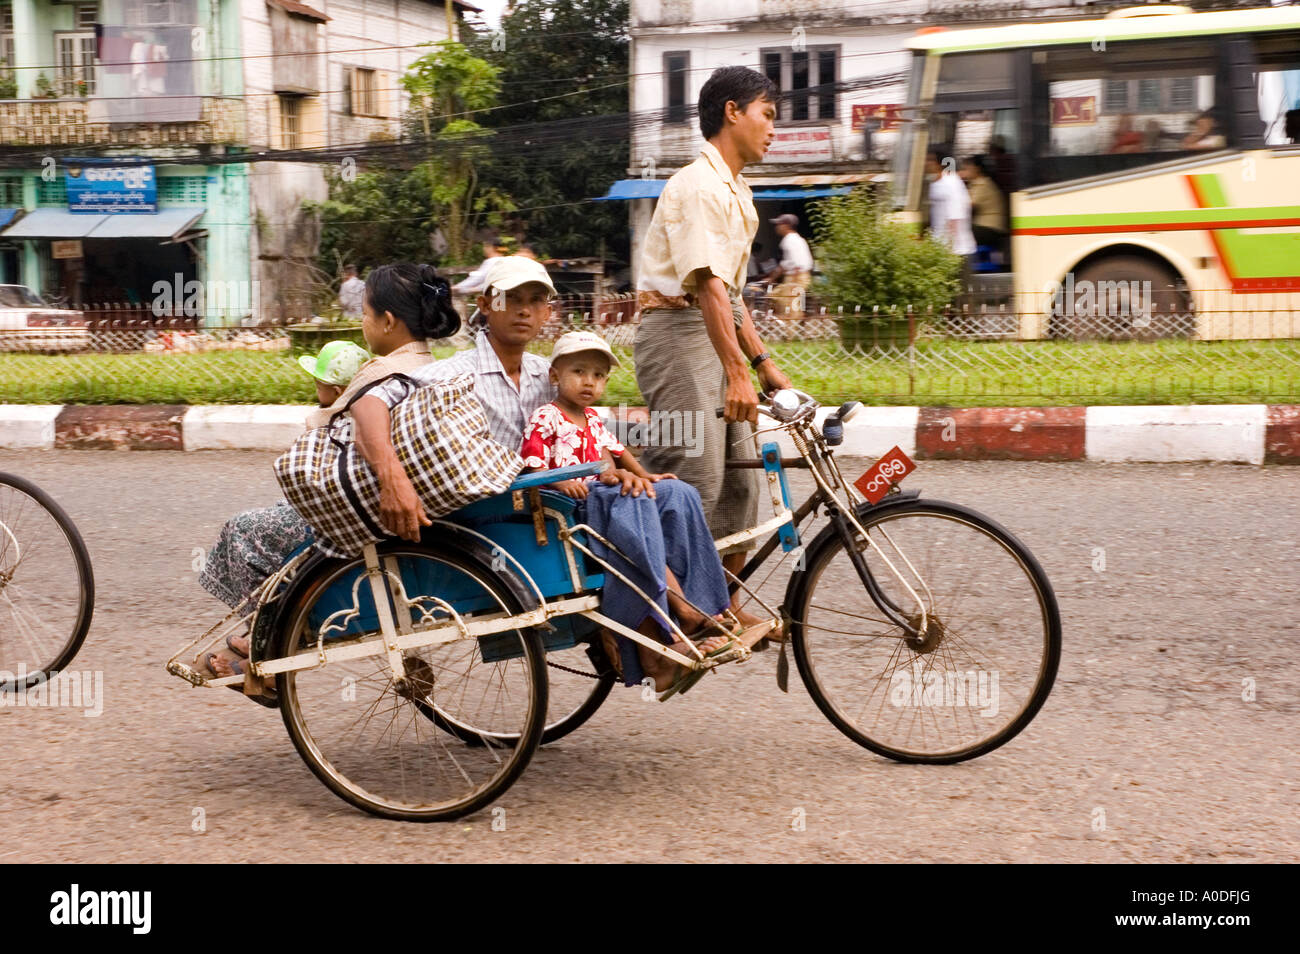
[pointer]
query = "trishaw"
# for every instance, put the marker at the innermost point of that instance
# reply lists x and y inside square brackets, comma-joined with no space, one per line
[417,680]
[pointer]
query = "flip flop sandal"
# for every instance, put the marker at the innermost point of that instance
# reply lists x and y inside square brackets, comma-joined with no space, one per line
[689,677]
[231,646]
[768,626]
[270,700]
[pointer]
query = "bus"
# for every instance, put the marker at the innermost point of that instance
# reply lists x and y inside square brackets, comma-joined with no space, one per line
[1149,161]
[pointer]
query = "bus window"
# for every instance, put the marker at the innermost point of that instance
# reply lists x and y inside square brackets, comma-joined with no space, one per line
[992,135]
[1132,104]
[1278,88]
[979,73]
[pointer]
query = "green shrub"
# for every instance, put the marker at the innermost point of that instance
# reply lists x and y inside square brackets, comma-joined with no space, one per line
[881,267]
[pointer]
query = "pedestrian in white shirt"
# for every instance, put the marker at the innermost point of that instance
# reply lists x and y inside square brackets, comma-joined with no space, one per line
[476,281]
[795,268]
[351,293]
[950,215]
[796,256]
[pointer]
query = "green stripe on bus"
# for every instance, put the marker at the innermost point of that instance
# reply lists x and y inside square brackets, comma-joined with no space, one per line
[1208,184]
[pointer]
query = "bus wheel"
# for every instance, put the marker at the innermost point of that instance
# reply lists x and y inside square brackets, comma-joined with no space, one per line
[1123,297]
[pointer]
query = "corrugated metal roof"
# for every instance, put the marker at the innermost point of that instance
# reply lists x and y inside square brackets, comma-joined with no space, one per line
[1114,29]
[299,9]
[168,223]
[60,224]
[53,223]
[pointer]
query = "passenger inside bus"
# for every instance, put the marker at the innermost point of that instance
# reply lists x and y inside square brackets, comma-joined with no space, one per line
[1126,139]
[1203,134]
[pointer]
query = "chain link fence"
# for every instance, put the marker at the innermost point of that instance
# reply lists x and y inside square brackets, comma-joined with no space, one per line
[991,354]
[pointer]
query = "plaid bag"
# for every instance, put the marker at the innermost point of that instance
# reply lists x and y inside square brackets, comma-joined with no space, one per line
[440,434]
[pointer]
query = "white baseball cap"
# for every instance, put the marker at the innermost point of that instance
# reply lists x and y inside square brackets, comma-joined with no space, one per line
[511,271]
[574,342]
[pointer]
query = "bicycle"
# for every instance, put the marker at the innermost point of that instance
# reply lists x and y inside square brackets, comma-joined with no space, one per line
[414,679]
[47,586]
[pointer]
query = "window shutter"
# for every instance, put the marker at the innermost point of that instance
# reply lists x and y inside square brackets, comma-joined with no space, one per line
[350,84]
[387,95]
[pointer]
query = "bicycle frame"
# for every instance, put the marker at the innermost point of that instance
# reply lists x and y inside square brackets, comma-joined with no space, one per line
[394,607]
[818,458]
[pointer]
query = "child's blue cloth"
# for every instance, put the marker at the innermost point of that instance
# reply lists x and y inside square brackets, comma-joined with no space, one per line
[668,530]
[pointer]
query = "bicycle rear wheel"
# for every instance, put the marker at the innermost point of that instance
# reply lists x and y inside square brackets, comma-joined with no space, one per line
[968,682]
[382,744]
[47,587]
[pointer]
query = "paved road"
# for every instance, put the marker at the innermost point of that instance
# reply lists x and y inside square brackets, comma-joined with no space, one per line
[1146,726]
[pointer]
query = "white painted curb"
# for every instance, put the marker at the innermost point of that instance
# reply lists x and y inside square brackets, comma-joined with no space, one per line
[269,427]
[1218,432]
[28,426]
[872,432]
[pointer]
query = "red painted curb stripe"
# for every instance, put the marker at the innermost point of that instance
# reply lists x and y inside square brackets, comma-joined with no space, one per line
[1282,434]
[1001,433]
[109,426]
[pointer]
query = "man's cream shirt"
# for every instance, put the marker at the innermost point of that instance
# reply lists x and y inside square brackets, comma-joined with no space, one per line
[705,219]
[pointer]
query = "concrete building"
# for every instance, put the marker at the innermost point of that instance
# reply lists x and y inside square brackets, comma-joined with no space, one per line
[846,54]
[194,88]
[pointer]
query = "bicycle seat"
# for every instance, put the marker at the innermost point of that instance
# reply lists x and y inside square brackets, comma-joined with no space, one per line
[542,477]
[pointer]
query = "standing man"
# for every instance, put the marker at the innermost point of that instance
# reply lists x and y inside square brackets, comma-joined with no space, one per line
[796,266]
[696,343]
[352,293]
[988,205]
[949,204]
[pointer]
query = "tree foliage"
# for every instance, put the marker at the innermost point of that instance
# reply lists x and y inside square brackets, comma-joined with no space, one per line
[562,61]
[375,217]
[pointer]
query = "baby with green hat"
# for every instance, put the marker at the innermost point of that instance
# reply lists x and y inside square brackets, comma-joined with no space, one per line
[333,368]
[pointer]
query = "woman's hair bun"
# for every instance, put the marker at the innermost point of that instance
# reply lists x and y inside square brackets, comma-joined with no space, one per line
[438,316]
[416,295]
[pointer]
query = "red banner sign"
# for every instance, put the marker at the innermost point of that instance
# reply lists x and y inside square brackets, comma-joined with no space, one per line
[1074,110]
[889,115]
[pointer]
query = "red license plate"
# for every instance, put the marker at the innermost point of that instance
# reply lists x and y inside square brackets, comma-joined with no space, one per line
[883,474]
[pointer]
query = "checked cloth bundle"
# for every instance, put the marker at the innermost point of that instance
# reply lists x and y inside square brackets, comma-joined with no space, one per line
[440,434]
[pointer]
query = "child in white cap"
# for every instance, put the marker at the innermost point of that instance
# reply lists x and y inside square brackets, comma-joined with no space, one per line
[568,430]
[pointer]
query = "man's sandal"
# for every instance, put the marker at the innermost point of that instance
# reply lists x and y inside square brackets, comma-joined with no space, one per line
[689,677]
[759,636]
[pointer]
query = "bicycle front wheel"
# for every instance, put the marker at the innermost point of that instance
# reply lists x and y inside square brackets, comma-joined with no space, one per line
[961,684]
[47,588]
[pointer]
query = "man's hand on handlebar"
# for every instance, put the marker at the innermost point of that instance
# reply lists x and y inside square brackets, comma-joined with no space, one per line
[741,401]
[772,377]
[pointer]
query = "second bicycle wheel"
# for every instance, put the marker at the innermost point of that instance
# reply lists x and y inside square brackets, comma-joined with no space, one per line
[383,744]
[972,678]
[47,588]
[578,681]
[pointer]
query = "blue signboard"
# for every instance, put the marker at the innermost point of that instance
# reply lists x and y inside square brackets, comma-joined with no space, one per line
[107,189]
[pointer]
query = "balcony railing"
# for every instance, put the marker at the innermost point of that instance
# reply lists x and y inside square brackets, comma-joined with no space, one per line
[67,122]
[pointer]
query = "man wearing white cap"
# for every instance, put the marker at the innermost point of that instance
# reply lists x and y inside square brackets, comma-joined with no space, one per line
[510,382]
